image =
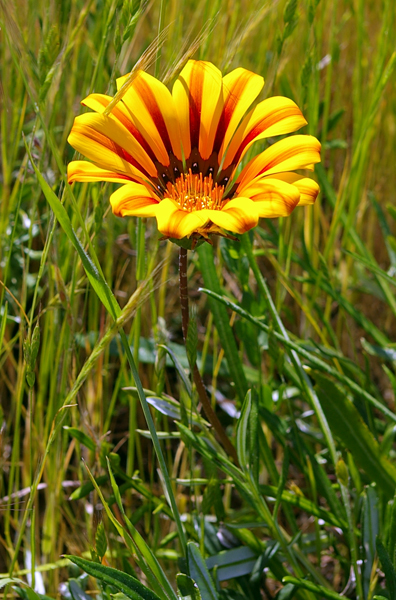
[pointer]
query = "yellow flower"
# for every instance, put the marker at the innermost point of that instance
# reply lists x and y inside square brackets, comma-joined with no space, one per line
[178,153]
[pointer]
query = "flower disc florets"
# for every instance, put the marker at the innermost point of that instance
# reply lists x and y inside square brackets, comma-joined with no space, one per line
[194,192]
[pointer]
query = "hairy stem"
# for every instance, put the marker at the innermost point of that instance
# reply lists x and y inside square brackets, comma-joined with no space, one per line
[206,405]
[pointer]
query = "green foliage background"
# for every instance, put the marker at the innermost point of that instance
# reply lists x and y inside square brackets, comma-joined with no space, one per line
[301,311]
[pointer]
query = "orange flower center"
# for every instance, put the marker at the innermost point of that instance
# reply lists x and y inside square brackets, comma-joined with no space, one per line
[194,192]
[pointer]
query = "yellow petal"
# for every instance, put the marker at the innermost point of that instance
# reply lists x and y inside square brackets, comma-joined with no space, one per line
[292,153]
[198,96]
[175,223]
[81,170]
[107,143]
[238,215]
[98,103]
[240,89]
[273,198]
[307,187]
[152,109]
[273,116]
[134,200]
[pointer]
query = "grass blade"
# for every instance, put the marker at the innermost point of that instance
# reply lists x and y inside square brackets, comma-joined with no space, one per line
[106,296]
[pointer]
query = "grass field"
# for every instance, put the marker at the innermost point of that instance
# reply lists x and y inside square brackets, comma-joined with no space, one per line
[301,311]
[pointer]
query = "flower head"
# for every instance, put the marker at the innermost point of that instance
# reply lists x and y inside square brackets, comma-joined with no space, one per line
[178,154]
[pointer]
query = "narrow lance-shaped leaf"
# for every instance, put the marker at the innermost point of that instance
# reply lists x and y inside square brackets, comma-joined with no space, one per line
[242,431]
[199,573]
[128,585]
[100,540]
[370,532]
[187,587]
[388,568]
[320,590]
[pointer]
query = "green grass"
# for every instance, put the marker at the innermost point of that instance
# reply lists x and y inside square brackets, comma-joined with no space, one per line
[301,311]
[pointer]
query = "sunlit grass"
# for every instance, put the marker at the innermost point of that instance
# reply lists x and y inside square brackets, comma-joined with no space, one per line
[329,270]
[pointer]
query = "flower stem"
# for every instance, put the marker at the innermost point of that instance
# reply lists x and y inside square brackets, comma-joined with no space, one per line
[206,405]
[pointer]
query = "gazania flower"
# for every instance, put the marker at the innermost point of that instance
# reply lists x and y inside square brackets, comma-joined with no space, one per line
[179,154]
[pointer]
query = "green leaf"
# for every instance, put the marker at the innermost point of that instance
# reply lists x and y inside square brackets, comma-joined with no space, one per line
[370,531]
[304,504]
[199,573]
[35,345]
[290,11]
[213,498]
[82,437]
[100,540]
[347,424]
[287,592]
[335,144]
[192,341]
[31,594]
[313,587]
[342,472]
[334,118]
[233,563]
[30,350]
[247,441]
[128,585]
[371,266]
[87,487]
[187,587]
[179,368]
[386,353]
[282,481]
[9,580]
[390,526]
[172,409]
[24,595]
[386,232]
[76,591]
[203,447]
[188,243]
[242,432]
[388,568]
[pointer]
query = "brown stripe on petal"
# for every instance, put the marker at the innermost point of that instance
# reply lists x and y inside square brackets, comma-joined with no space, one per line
[148,98]
[269,120]
[127,123]
[195,102]
[101,139]
[280,158]
[135,203]
[242,222]
[120,176]
[134,132]
[229,108]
